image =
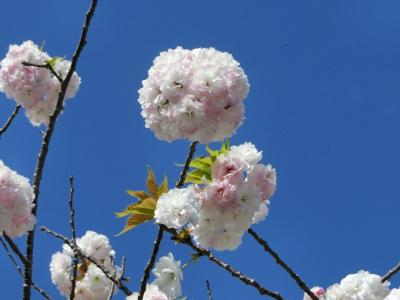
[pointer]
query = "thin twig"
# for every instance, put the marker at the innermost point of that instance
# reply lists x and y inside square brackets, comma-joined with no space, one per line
[122,271]
[14,248]
[45,66]
[284,265]
[10,119]
[208,290]
[107,273]
[73,231]
[204,252]
[391,273]
[14,262]
[45,148]
[157,242]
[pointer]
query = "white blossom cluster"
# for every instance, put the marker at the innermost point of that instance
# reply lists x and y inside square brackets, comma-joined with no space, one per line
[16,196]
[167,286]
[34,88]
[220,212]
[360,286]
[194,94]
[91,282]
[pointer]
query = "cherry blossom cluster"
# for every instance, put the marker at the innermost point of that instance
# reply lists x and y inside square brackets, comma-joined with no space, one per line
[359,286]
[167,285]
[35,89]
[91,282]
[194,94]
[16,196]
[222,209]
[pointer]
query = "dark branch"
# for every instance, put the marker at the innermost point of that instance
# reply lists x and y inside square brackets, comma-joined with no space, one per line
[204,252]
[107,273]
[15,248]
[45,66]
[280,262]
[14,262]
[123,262]
[45,148]
[10,119]
[208,290]
[391,273]
[73,231]
[157,242]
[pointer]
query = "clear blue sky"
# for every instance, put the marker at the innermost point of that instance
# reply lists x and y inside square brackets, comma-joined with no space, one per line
[323,106]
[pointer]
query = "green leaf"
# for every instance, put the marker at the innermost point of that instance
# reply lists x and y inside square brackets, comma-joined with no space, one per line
[139,194]
[193,179]
[163,188]
[145,207]
[134,221]
[151,183]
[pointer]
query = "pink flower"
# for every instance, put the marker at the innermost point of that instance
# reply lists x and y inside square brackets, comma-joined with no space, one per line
[221,194]
[317,290]
[264,177]
[227,168]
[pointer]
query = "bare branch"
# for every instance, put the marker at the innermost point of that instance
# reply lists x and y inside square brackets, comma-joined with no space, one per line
[280,262]
[157,242]
[10,119]
[45,66]
[45,148]
[123,262]
[208,290]
[73,231]
[391,273]
[14,248]
[14,262]
[204,252]
[117,282]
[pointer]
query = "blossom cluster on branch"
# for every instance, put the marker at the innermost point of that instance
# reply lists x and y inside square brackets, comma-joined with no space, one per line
[16,196]
[91,282]
[194,94]
[232,193]
[360,286]
[35,88]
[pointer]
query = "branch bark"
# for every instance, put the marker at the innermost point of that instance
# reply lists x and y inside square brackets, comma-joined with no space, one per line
[45,148]
[204,252]
[391,273]
[157,242]
[280,262]
[73,232]
[10,119]
[16,265]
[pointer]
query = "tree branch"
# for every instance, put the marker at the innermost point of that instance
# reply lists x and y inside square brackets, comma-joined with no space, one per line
[73,231]
[208,290]
[204,252]
[45,66]
[45,148]
[391,273]
[280,262]
[14,262]
[157,242]
[123,262]
[117,282]
[15,248]
[10,119]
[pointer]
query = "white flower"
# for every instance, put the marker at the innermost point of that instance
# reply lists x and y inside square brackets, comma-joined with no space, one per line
[247,153]
[35,89]
[16,195]
[92,283]
[394,295]
[177,208]
[194,94]
[359,286]
[168,274]
[262,213]
[152,293]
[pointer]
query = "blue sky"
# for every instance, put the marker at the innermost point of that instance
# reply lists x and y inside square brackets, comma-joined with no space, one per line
[323,106]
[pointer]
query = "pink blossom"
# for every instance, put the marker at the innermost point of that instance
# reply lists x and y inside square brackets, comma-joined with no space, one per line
[264,177]
[221,194]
